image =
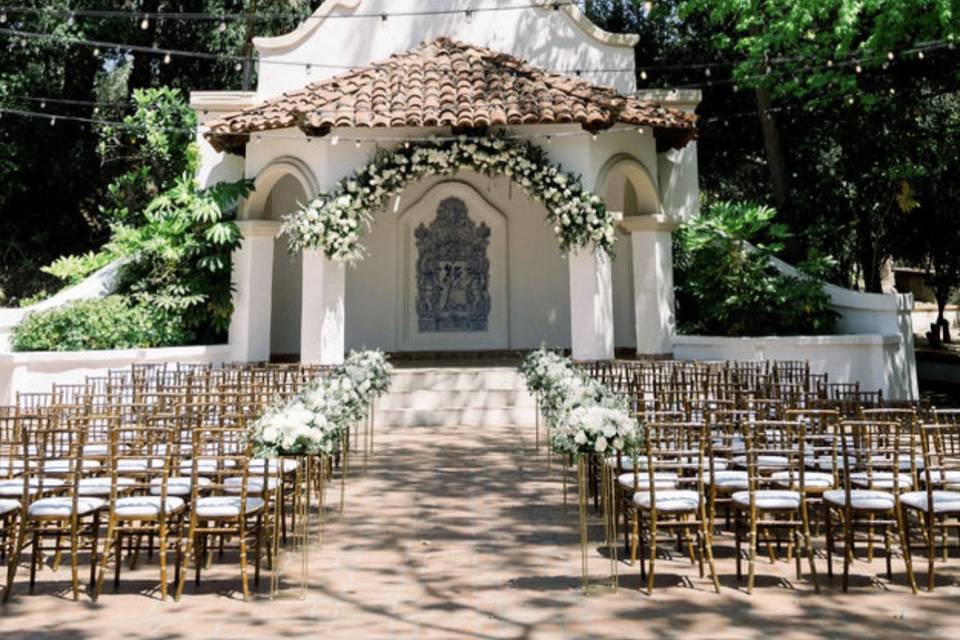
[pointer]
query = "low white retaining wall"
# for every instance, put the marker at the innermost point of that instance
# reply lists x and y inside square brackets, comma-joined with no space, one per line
[875,361]
[37,371]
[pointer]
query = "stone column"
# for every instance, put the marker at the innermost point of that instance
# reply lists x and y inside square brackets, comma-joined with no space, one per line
[322,325]
[651,244]
[252,277]
[591,305]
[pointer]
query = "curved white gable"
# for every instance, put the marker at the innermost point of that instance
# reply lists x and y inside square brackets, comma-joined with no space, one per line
[561,40]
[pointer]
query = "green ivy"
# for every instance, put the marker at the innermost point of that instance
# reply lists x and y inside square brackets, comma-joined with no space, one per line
[727,286]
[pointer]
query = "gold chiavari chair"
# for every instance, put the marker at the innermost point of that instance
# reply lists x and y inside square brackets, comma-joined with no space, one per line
[680,448]
[873,449]
[144,508]
[776,497]
[937,506]
[221,515]
[69,515]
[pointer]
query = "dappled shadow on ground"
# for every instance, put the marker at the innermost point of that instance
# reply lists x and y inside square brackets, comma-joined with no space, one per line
[462,533]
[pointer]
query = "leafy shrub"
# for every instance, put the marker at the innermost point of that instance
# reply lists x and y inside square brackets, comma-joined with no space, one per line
[72,269]
[727,286]
[106,323]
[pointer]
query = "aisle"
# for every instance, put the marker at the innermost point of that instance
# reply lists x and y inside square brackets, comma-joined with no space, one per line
[460,533]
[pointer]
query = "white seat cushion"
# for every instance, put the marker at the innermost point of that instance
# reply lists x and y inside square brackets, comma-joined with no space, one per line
[257,466]
[880,480]
[674,501]
[729,479]
[626,462]
[943,501]
[254,484]
[14,487]
[138,465]
[811,479]
[940,478]
[62,507]
[145,506]
[8,506]
[769,499]
[661,480]
[96,449]
[66,466]
[206,465]
[764,462]
[177,485]
[862,499]
[101,486]
[7,466]
[225,506]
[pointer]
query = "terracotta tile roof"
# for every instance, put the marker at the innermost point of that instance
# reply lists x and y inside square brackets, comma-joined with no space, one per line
[444,83]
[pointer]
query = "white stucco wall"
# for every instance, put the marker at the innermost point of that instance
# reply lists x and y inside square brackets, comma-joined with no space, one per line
[36,372]
[560,40]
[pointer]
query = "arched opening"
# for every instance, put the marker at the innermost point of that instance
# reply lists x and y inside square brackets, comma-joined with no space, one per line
[286,298]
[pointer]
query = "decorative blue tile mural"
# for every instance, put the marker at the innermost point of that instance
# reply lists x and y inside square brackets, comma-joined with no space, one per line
[453,271]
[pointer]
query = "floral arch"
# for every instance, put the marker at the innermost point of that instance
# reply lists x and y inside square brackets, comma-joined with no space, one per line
[334,221]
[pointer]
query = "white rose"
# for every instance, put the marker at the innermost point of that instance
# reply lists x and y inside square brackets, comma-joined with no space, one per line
[580,438]
[601,444]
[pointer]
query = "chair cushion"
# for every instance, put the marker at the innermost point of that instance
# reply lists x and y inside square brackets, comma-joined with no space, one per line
[8,506]
[626,462]
[257,466]
[939,478]
[254,484]
[661,480]
[880,480]
[943,501]
[101,486]
[676,500]
[177,485]
[862,499]
[769,499]
[811,479]
[145,506]
[206,465]
[7,465]
[729,479]
[763,461]
[66,466]
[62,507]
[225,506]
[14,487]
[138,465]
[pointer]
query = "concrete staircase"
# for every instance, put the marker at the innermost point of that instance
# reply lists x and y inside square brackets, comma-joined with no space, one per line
[456,396]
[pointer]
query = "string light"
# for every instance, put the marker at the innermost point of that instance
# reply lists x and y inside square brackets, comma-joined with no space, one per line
[357,144]
[3,18]
[468,14]
[145,24]
[166,59]
[643,75]
[890,55]
[859,69]
[223,26]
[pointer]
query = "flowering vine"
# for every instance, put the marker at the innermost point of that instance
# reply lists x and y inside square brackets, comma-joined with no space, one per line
[335,220]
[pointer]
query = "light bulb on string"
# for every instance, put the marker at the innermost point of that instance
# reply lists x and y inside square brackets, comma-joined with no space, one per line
[237,67]
[145,24]
[70,20]
[829,63]
[859,69]
[166,59]
[223,26]
[53,121]
[643,75]
[468,14]
[357,144]
[706,72]
[43,104]
[648,7]
[890,55]
[920,55]
[893,90]
[308,69]
[96,52]
[334,140]
[3,18]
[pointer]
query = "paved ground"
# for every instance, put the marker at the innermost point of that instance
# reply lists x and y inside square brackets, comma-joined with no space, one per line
[460,533]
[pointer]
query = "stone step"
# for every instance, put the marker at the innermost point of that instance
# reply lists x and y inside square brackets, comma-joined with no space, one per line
[442,399]
[457,379]
[456,416]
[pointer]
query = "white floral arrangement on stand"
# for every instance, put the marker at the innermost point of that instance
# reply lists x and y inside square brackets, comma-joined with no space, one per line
[314,421]
[334,221]
[582,416]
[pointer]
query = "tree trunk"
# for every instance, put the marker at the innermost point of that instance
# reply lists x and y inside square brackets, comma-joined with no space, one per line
[776,160]
[248,46]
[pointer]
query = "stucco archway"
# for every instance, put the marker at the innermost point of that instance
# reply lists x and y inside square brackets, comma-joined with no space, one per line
[628,187]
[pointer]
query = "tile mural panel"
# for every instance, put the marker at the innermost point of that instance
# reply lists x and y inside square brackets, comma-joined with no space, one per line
[453,272]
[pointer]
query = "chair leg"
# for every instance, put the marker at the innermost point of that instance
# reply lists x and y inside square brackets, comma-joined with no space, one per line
[751,561]
[74,564]
[848,549]
[34,557]
[94,551]
[257,553]
[828,530]
[905,548]
[737,542]
[653,553]
[109,543]
[931,547]
[118,560]
[708,548]
[243,561]
[163,556]
[13,561]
